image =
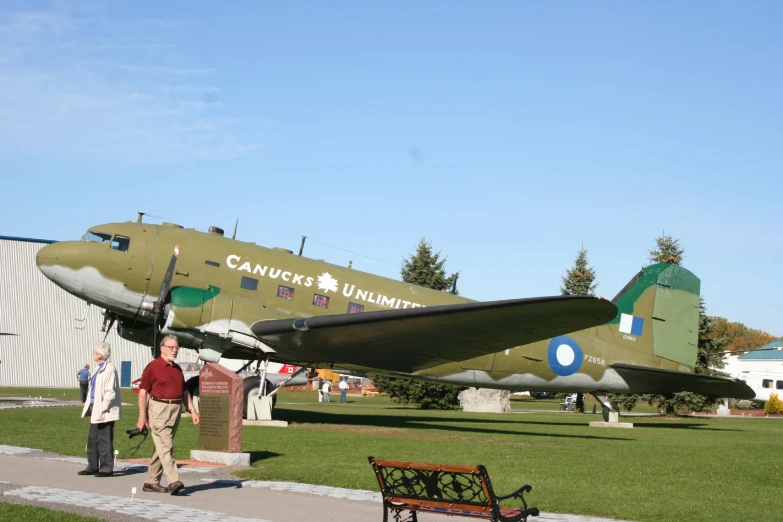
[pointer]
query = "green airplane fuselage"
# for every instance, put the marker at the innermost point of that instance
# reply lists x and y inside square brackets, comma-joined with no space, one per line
[221,287]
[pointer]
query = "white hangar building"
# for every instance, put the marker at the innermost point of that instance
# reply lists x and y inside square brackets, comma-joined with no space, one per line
[46,334]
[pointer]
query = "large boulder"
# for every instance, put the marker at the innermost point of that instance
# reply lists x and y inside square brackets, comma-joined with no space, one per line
[483,400]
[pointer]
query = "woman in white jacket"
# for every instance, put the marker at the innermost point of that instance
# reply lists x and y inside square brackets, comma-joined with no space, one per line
[103,406]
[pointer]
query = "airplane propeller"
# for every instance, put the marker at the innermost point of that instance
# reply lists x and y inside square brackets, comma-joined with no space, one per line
[158,306]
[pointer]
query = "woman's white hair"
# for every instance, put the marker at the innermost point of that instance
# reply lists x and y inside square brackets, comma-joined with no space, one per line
[103,350]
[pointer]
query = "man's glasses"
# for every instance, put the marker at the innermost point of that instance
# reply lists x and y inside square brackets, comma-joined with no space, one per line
[167,346]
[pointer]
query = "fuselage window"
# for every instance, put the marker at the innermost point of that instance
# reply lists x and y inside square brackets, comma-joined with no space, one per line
[766,383]
[120,243]
[285,292]
[354,308]
[779,385]
[96,237]
[211,263]
[249,283]
[321,301]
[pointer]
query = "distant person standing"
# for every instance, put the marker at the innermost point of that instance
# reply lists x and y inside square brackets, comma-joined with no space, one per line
[104,409]
[327,388]
[83,377]
[343,390]
[320,390]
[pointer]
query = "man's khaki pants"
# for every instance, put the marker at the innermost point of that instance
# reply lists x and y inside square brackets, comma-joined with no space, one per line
[163,420]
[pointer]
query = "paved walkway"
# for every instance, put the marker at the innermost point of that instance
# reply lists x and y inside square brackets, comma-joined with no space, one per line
[211,495]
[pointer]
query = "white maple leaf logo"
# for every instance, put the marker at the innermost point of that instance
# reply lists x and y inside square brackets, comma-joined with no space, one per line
[326,282]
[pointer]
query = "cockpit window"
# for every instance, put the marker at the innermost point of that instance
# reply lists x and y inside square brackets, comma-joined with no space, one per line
[120,243]
[96,237]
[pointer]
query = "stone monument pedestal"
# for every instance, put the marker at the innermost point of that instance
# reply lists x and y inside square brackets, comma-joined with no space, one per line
[602,424]
[219,457]
[221,400]
[484,400]
[723,409]
[614,422]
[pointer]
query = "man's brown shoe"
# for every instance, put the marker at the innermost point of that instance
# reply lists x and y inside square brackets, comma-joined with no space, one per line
[155,488]
[176,487]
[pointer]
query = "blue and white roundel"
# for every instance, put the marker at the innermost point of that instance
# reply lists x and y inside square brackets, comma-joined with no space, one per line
[565,356]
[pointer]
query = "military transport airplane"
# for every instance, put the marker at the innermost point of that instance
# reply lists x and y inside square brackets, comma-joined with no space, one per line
[232,299]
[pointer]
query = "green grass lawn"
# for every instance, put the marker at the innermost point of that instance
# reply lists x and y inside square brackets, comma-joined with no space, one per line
[663,469]
[34,514]
[63,394]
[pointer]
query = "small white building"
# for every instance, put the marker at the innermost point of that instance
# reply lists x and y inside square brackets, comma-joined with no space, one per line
[761,369]
[46,334]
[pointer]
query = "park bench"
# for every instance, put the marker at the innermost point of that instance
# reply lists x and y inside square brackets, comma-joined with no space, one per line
[450,490]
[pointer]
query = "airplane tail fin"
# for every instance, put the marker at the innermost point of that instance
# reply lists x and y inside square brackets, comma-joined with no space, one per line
[659,310]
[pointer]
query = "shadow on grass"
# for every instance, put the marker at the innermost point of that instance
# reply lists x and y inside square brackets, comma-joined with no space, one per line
[429,423]
[258,456]
[683,426]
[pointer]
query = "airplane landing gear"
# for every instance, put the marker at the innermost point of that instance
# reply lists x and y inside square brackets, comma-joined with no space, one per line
[608,406]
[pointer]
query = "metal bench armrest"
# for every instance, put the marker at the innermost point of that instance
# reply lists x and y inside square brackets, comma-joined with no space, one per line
[526,512]
[517,494]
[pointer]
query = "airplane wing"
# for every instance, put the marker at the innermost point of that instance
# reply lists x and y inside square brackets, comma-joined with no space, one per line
[642,379]
[414,339]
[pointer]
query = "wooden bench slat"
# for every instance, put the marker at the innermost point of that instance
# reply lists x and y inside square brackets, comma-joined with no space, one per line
[487,514]
[438,504]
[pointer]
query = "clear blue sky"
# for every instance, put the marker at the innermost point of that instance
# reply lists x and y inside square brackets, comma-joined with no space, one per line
[505,133]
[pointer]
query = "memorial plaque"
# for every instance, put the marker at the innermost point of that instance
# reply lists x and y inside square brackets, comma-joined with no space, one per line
[221,400]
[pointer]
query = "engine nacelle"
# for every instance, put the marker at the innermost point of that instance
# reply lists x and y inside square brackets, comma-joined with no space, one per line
[135,331]
[213,322]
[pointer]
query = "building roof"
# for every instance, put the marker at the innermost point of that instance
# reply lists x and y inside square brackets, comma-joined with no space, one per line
[773,350]
[28,239]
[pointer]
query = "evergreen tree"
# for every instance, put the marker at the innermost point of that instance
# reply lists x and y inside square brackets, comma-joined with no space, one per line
[579,280]
[425,394]
[711,345]
[427,269]
[667,250]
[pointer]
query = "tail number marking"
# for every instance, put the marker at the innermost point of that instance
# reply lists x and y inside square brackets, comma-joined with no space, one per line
[595,360]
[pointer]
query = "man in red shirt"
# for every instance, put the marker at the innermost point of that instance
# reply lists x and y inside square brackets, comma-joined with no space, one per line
[161,394]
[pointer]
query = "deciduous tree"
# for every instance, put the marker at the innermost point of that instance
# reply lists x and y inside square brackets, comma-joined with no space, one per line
[740,338]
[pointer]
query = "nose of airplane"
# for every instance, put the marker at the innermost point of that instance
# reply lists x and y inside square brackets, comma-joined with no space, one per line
[48,259]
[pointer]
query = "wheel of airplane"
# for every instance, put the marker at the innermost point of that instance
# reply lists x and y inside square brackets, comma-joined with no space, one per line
[252,389]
